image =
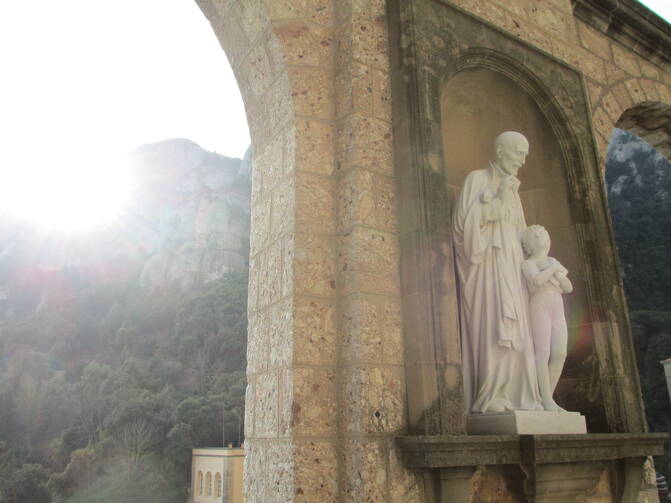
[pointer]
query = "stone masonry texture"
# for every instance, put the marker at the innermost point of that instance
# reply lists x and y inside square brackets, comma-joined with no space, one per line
[326,378]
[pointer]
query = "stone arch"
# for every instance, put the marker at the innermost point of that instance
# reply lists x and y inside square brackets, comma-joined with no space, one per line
[651,121]
[281,53]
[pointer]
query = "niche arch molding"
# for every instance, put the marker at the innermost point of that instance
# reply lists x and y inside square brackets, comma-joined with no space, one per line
[431,48]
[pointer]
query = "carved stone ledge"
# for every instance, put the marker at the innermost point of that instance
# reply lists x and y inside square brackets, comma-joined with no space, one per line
[631,24]
[556,467]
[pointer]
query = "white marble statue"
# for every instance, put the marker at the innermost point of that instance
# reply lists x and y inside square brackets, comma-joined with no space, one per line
[497,349]
[547,281]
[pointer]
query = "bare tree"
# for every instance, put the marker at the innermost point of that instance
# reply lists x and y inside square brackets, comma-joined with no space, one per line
[135,439]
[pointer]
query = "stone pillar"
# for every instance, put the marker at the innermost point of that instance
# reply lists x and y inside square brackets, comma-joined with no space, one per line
[282,54]
[371,400]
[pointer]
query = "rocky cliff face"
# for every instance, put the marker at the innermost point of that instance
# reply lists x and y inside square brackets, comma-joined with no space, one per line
[191,214]
[186,222]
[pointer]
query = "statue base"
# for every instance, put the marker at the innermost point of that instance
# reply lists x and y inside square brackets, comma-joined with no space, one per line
[525,422]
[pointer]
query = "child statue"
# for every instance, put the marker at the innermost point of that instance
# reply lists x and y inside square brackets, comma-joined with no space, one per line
[547,281]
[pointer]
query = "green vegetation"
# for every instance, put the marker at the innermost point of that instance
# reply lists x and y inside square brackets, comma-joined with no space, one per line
[639,182]
[105,388]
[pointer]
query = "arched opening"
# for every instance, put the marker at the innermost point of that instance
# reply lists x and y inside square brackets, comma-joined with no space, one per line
[73,315]
[638,178]
[479,103]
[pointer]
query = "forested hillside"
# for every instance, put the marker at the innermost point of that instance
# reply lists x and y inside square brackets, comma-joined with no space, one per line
[122,349]
[639,187]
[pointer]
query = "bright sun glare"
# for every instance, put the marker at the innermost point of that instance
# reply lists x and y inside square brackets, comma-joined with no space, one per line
[85,82]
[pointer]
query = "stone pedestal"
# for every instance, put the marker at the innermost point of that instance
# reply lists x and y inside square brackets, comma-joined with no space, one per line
[526,422]
[554,468]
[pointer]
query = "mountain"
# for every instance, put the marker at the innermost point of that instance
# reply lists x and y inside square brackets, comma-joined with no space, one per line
[187,222]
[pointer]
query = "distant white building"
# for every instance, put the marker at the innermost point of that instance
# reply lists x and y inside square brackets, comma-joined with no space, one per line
[216,475]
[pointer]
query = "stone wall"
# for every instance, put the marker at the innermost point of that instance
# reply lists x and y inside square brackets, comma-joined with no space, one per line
[326,377]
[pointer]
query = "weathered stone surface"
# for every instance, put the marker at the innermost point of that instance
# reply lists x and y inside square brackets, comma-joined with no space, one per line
[314,331]
[314,265]
[315,476]
[316,82]
[373,399]
[366,477]
[265,404]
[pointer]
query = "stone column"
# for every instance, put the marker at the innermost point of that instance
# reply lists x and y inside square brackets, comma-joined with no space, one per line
[281,53]
[371,379]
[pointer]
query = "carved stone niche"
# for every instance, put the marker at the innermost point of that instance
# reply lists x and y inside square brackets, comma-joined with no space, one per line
[540,468]
[457,82]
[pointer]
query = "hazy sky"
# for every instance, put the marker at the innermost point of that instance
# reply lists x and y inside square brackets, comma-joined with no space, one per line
[84,81]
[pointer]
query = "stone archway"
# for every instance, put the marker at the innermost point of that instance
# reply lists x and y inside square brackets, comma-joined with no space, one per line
[650,121]
[326,385]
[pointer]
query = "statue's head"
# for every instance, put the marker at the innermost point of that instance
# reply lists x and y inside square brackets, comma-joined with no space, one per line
[535,239]
[511,150]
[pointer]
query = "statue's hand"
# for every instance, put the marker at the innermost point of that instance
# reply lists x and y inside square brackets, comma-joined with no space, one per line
[486,197]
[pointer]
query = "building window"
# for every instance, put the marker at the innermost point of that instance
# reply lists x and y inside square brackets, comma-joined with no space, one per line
[208,484]
[217,485]
[200,483]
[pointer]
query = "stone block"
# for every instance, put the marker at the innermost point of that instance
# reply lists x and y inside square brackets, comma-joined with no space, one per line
[314,146]
[260,226]
[312,92]
[315,11]
[626,60]
[403,483]
[622,95]
[250,397]
[314,265]
[265,404]
[253,18]
[354,89]
[315,475]
[370,41]
[305,44]
[391,331]
[257,342]
[287,266]
[269,164]
[356,199]
[315,203]
[385,203]
[279,472]
[255,471]
[253,287]
[664,93]
[650,90]
[612,106]
[360,330]
[649,70]
[594,41]
[314,331]
[283,213]
[313,403]
[525,422]
[365,474]
[270,274]
[369,250]
[373,399]
[280,333]
[366,143]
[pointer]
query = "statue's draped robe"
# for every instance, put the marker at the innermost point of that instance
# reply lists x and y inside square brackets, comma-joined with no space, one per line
[497,349]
